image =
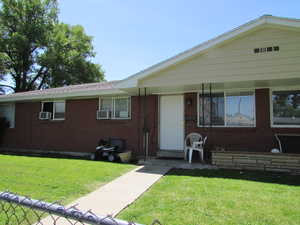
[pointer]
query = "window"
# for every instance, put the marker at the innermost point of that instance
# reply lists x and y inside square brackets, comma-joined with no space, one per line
[216,117]
[59,110]
[106,104]
[233,109]
[8,112]
[240,109]
[118,107]
[286,108]
[121,108]
[56,108]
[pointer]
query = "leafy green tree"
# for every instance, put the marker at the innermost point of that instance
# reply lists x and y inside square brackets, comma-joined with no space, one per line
[37,51]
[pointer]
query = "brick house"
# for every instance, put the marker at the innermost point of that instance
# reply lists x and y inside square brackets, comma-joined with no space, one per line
[240,89]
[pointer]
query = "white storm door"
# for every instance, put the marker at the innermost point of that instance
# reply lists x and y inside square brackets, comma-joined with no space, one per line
[171,122]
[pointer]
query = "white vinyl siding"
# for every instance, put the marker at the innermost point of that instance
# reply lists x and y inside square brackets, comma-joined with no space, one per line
[8,112]
[236,61]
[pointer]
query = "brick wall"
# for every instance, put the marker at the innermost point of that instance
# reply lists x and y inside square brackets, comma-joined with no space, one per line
[80,131]
[257,139]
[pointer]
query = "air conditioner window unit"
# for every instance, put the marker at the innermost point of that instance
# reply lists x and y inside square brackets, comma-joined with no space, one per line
[123,114]
[102,114]
[45,115]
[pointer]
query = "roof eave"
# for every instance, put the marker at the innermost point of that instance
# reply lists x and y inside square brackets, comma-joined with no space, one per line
[82,94]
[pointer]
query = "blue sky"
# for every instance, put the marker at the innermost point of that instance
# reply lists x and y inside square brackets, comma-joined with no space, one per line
[130,35]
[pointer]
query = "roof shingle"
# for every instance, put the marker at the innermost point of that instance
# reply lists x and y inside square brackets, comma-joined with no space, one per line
[90,87]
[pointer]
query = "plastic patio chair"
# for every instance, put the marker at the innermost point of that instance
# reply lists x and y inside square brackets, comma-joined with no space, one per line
[189,140]
[197,146]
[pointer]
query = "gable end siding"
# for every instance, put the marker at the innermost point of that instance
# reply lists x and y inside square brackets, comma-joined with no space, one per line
[236,61]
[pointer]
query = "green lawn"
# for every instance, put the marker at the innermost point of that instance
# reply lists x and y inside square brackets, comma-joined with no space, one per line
[54,179]
[219,197]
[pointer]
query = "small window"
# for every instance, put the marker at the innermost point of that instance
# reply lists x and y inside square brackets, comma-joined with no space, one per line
[48,107]
[276,48]
[121,108]
[8,112]
[55,110]
[106,104]
[286,108]
[114,108]
[59,110]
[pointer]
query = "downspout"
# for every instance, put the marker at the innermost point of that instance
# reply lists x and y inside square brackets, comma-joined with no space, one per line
[210,96]
[139,120]
[145,129]
[203,99]
[210,99]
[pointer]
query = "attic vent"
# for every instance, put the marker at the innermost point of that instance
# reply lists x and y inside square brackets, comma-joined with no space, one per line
[266,49]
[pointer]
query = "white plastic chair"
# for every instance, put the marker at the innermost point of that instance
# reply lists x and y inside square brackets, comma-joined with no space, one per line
[197,146]
[189,140]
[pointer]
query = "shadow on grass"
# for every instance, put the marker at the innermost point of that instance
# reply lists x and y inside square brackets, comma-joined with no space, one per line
[257,176]
[61,156]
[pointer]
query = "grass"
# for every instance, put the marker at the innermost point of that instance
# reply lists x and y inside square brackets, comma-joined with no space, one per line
[53,179]
[219,197]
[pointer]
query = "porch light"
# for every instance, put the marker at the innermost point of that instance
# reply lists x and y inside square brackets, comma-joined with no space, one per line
[189,101]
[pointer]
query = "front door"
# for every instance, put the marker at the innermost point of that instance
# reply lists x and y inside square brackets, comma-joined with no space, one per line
[171,122]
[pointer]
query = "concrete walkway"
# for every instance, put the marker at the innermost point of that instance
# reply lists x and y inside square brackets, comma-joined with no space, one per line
[113,197]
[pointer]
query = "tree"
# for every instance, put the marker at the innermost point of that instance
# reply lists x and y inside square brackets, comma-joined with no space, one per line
[37,51]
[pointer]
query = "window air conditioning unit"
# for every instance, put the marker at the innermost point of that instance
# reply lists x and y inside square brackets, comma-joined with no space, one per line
[102,114]
[123,114]
[45,115]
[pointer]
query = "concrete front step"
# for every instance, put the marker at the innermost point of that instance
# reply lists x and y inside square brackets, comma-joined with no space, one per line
[170,154]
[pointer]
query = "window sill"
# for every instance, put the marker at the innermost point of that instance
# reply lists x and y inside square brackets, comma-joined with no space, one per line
[199,126]
[54,120]
[115,119]
[285,126]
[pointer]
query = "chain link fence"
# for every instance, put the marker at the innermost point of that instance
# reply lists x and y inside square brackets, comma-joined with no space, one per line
[21,210]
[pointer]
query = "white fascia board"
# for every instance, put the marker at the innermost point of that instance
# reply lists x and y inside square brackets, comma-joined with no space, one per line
[13,98]
[132,81]
[288,22]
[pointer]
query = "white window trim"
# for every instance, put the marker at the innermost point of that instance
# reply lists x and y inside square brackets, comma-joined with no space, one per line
[13,106]
[225,121]
[271,107]
[53,111]
[113,106]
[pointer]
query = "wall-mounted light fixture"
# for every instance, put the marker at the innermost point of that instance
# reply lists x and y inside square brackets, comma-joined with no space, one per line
[189,101]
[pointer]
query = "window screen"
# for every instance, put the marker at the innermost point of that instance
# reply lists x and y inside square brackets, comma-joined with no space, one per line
[212,108]
[121,108]
[240,109]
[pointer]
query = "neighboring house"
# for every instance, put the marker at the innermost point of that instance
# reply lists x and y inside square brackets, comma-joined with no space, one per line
[248,79]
